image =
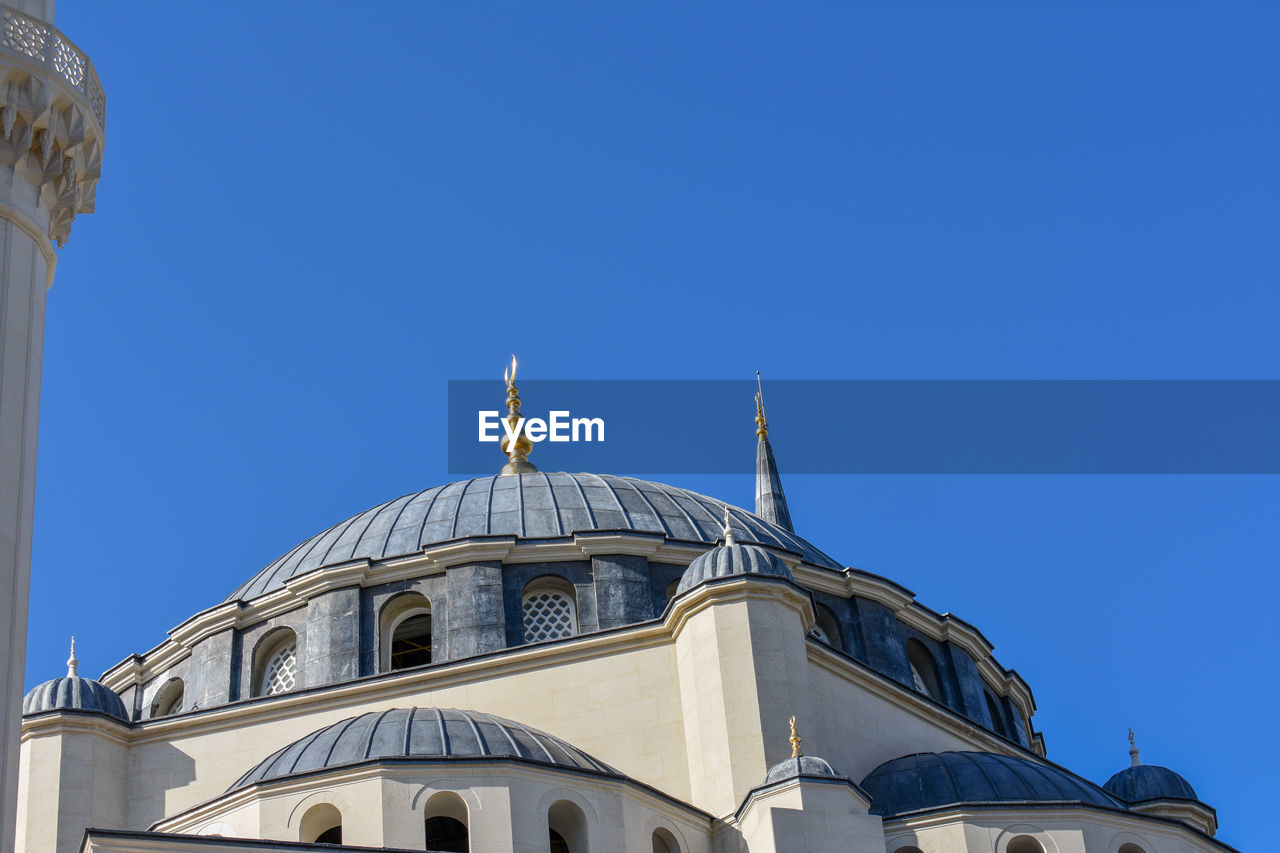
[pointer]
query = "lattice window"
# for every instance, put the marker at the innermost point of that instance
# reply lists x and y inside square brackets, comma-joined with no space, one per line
[918,680]
[281,673]
[548,615]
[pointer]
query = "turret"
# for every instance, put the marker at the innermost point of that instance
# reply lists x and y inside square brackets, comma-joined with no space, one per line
[73,757]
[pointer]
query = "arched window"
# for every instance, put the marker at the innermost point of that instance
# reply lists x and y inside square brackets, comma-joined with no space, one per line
[1130,847]
[1024,844]
[997,724]
[671,589]
[825,628]
[168,699]
[566,828]
[446,818]
[549,610]
[322,824]
[924,672]
[406,632]
[665,842]
[910,848]
[275,670]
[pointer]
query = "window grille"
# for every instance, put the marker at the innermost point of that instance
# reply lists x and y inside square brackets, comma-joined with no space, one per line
[281,674]
[548,615]
[918,679]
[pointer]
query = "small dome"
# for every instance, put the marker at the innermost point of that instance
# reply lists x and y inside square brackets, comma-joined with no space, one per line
[805,765]
[930,779]
[1149,782]
[74,693]
[427,734]
[732,559]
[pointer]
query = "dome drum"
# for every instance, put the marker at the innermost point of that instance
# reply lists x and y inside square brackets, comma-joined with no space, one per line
[485,594]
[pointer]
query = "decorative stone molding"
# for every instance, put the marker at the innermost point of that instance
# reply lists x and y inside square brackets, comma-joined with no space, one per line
[52,117]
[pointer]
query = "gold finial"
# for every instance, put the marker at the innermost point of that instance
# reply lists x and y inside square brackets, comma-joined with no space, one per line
[73,665]
[795,740]
[762,426]
[727,530]
[1133,750]
[517,455]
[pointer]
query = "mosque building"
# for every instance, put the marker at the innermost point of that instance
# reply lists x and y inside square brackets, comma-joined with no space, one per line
[562,663]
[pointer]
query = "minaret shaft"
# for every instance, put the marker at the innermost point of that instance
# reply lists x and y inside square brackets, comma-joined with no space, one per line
[52,110]
[24,275]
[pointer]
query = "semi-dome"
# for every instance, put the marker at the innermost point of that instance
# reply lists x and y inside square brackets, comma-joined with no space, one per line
[928,780]
[803,765]
[732,559]
[528,506]
[74,693]
[424,734]
[1149,782]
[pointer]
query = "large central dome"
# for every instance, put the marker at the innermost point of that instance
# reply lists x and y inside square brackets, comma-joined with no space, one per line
[527,506]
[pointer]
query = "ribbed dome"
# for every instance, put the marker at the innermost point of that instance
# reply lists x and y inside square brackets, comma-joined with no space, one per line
[427,734]
[930,779]
[530,506]
[805,765]
[728,560]
[74,693]
[1149,782]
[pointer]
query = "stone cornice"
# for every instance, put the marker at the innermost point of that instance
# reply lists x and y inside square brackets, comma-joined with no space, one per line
[1041,813]
[410,770]
[436,559]
[737,588]
[911,701]
[71,722]
[942,627]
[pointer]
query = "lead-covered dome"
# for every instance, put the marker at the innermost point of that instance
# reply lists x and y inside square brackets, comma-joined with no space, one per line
[801,765]
[527,506]
[424,734]
[729,560]
[74,693]
[1149,782]
[928,780]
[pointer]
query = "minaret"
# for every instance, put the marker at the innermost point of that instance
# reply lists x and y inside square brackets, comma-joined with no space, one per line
[771,503]
[52,112]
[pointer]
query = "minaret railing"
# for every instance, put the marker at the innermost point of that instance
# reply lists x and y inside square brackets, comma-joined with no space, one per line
[39,40]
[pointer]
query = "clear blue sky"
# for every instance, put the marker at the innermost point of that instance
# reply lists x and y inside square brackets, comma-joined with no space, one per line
[312,215]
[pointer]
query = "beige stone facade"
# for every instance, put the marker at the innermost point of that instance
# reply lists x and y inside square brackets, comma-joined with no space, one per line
[690,711]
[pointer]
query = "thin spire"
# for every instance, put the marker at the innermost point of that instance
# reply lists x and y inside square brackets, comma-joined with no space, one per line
[517,456]
[727,530]
[771,503]
[1133,750]
[73,665]
[795,740]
